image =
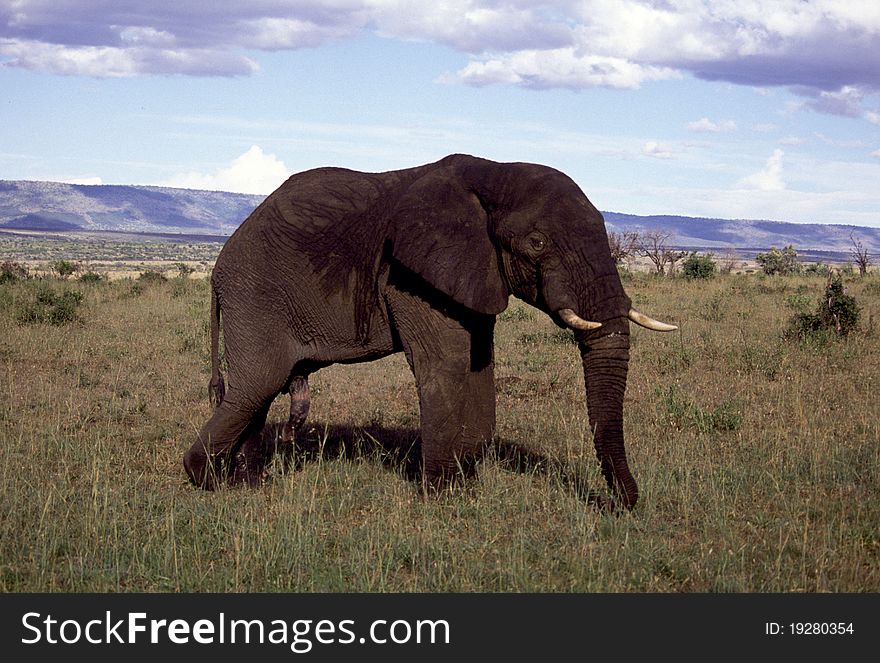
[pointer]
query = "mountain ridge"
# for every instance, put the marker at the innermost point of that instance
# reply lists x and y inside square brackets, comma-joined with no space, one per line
[58,206]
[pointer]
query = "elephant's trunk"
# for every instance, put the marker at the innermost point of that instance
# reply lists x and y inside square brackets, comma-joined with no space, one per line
[606,360]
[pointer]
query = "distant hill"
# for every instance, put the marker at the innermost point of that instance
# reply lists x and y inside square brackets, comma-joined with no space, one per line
[53,206]
[742,233]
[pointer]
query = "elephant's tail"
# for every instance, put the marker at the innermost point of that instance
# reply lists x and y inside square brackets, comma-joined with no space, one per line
[217,387]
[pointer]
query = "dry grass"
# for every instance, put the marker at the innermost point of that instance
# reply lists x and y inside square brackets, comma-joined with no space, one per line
[757,458]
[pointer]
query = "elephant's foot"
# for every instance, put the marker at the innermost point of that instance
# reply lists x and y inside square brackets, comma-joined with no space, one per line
[205,471]
[441,477]
[243,468]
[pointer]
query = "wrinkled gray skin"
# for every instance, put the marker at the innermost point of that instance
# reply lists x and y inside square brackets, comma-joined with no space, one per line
[342,266]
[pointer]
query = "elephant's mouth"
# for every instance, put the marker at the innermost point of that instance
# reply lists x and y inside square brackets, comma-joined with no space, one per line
[573,321]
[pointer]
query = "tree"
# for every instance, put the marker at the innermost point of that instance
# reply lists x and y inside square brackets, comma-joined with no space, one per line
[729,261]
[623,245]
[698,266]
[860,255]
[779,262]
[671,257]
[652,245]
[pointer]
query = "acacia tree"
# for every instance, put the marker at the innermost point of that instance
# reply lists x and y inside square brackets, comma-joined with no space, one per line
[860,255]
[652,245]
[779,262]
[623,245]
[729,261]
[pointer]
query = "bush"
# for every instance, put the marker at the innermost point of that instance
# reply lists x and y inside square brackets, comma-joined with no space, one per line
[698,267]
[183,270]
[837,313]
[152,276]
[779,262]
[49,307]
[90,277]
[64,268]
[817,269]
[12,271]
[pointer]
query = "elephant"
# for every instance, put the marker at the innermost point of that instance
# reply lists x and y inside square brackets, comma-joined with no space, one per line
[340,266]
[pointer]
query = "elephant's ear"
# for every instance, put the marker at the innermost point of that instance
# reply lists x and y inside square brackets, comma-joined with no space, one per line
[440,231]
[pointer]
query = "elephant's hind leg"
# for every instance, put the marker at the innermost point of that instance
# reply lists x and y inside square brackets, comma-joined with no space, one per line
[299,408]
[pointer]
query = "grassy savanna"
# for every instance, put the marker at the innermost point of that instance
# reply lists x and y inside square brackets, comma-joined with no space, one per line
[757,456]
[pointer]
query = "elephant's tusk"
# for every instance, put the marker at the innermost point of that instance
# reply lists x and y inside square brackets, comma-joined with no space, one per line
[572,319]
[649,323]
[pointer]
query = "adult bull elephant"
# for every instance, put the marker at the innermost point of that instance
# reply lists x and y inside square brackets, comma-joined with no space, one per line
[343,266]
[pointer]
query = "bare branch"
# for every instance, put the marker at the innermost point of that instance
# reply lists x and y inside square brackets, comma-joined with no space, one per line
[860,255]
[652,245]
[623,245]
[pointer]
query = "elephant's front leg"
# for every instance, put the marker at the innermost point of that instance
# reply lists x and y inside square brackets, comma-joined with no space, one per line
[451,355]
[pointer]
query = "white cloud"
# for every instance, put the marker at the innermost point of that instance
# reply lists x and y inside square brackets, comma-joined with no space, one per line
[792,140]
[827,50]
[654,149]
[705,125]
[118,62]
[252,172]
[872,117]
[876,153]
[769,178]
[475,26]
[561,68]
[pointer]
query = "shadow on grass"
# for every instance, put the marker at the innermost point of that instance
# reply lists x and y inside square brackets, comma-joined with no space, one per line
[399,450]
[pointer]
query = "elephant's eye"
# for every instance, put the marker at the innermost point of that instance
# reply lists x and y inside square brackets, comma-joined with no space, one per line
[537,243]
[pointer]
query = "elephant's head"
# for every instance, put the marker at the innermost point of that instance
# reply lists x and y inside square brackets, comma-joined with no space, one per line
[480,231]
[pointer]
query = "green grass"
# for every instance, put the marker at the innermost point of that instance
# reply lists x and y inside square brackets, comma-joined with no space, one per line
[757,458]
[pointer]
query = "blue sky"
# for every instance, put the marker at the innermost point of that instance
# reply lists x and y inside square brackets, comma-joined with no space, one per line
[741,109]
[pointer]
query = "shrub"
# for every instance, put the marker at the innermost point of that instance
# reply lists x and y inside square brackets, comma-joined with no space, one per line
[64,268]
[698,267]
[817,269]
[12,271]
[90,277]
[779,262]
[837,313]
[152,276]
[183,270]
[49,307]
